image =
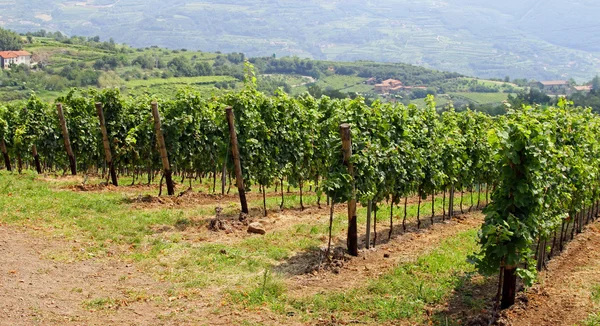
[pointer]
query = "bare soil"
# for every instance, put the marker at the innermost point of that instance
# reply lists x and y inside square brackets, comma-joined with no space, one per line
[38,291]
[564,295]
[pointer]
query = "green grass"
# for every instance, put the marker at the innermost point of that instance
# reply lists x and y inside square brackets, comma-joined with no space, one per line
[594,318]
[268,290]
[404,293]
[104,222]
[440,101]
[486,82]
[341,83]
[202,80]
[100,303]
[482,98]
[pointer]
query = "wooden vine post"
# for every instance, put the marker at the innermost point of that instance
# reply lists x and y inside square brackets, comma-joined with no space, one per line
[224,176]
[5,155]
[451,202]
[163,150]
[65,133]
[235,153]
[369,210]
[509,287]
[36,159]
[106,143]
[352,241]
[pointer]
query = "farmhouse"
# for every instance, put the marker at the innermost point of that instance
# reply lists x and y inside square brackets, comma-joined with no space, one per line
[388,86]
[14,57]
[584,88]
[554,86]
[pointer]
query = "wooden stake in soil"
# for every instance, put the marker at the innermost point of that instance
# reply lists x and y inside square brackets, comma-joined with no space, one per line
[432,207]
[236,159]
[352,241]
[391,217]
[404,218]
[65,133]
[301,203]
[451,203]
[282,197]
[509,286]
[374,225]
[163,150]
[369,209]
[330,227]
[36,159]
[478,195]
[19,163]
[224,175]
[106,143]
[5,155]
[264,193]
[444,205]
[419,213]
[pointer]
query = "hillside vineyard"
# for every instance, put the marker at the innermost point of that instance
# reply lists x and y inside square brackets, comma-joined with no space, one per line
[541,164]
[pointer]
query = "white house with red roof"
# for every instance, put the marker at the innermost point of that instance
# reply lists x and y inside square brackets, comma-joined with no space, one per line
[8,58]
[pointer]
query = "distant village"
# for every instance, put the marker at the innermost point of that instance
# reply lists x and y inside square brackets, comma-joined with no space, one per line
[559,87]
[551,87]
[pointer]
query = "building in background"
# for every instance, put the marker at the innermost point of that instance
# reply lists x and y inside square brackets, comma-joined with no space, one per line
[8,58]
[388,86]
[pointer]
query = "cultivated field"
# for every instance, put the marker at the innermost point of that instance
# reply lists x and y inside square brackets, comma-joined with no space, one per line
[92,254]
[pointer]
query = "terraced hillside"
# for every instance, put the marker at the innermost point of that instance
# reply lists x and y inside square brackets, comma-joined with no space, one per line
[516,38]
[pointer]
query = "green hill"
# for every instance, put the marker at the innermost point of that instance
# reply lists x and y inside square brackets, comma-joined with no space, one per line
[65,62]
[544,40]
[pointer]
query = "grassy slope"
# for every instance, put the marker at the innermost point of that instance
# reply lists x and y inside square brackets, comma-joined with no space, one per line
[57,55]
[105,224]
[482,98]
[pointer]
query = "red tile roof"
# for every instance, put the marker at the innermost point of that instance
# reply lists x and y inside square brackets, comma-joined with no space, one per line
[14,54]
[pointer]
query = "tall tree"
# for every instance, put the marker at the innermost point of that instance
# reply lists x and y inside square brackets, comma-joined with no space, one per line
[10,41]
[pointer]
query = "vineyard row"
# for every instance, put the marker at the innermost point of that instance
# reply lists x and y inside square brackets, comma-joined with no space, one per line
[543,164]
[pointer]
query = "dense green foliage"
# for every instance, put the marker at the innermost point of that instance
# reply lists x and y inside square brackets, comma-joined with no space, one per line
[10,40]
[399,150]
[548,167]
[591,99]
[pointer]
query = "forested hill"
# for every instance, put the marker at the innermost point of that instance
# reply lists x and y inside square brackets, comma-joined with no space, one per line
[544,40]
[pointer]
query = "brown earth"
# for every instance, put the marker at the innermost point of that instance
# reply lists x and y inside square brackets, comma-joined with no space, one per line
[564,294]
[38,291]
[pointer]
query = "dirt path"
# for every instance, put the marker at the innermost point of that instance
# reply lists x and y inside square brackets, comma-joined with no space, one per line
[36,291]
[564,294]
